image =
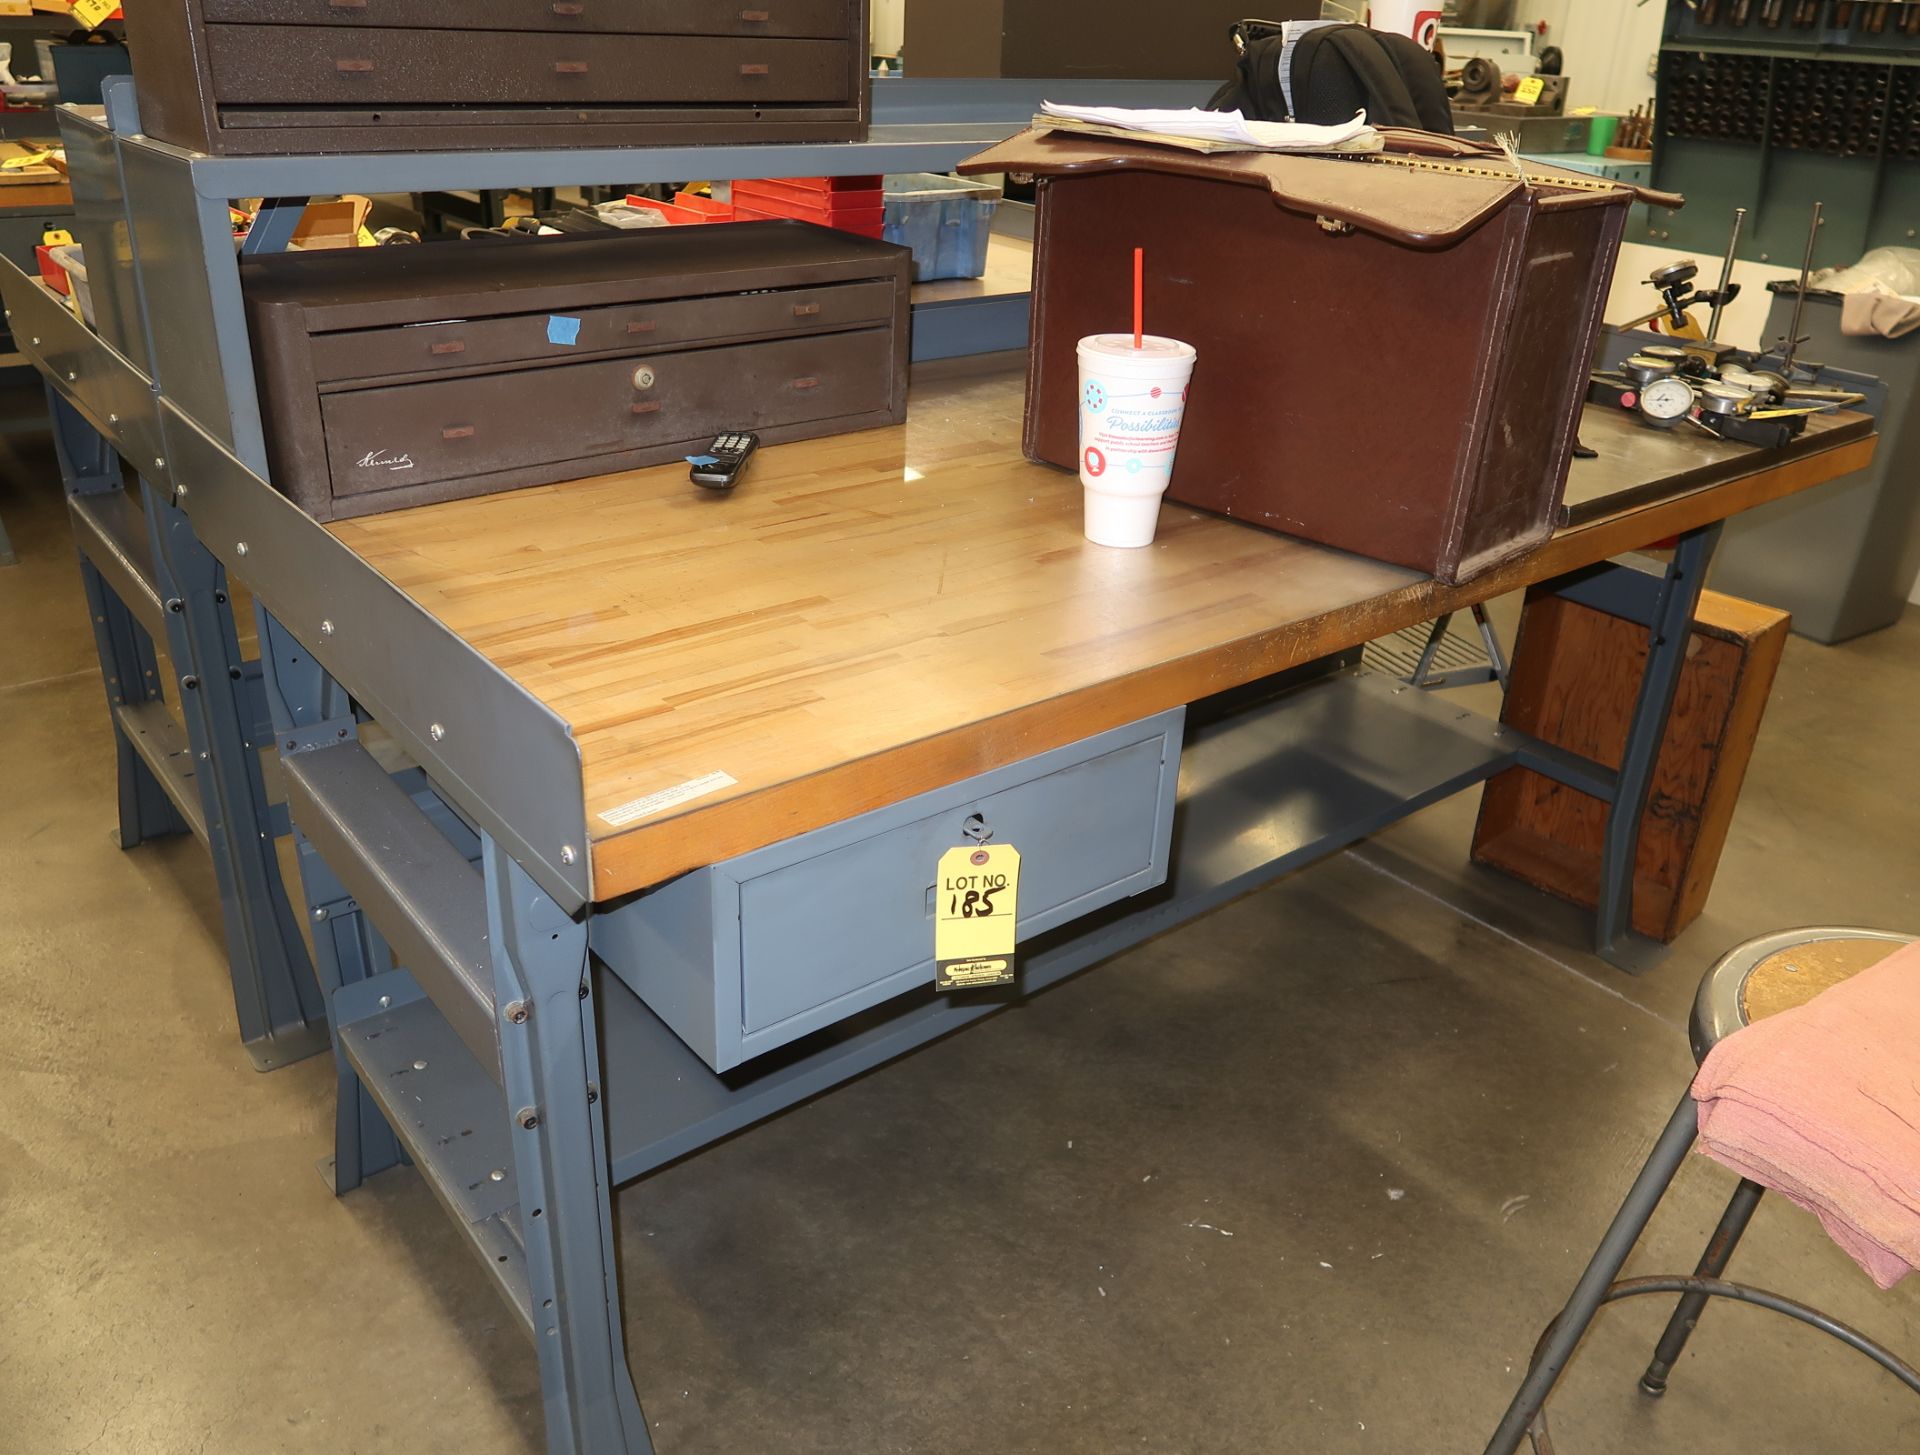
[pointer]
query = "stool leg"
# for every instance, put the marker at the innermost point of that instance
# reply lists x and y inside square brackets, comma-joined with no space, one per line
[1713,1263]
[1564,1336]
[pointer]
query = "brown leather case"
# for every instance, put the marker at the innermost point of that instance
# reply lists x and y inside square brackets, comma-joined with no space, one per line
[1392,359]
[399,376]
[274,77]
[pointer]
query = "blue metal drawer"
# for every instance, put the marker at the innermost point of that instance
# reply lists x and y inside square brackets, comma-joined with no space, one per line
[745,956]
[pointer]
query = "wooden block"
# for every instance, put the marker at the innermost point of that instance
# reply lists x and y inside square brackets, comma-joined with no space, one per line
[42,173]
[1576,673]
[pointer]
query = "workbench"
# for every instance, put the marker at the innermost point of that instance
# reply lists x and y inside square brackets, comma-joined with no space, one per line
[509,727]
[871,618]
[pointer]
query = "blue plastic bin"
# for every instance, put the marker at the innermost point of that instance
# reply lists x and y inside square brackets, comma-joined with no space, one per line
[944,220]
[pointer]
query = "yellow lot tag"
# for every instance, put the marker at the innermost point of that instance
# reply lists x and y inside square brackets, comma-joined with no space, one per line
[973,917]
[91,12]
[1527,93]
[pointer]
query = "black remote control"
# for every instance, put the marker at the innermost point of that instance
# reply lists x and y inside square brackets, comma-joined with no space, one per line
[719,468]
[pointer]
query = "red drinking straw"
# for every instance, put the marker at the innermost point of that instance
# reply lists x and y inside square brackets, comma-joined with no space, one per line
[1139,296]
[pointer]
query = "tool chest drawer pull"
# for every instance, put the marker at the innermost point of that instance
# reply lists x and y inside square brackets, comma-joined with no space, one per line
[642,325]
[449,346]
[347,4]
[805,310]
[807,383]
[353,67]
[568,7]
[569,68]
[458,432]
[752,17]
[650,406]
[752,69]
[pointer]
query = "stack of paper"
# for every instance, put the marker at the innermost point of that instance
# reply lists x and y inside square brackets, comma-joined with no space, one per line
[1210,131]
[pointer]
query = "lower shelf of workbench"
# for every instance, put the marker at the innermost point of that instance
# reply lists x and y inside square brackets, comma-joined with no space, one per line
[1263,789]
[1266,785]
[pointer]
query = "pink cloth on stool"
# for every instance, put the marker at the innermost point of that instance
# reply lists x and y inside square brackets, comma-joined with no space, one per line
[1822,1104]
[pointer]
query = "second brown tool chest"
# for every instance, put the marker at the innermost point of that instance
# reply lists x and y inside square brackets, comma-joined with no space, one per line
[397,376]
[1393,349]
[287,76]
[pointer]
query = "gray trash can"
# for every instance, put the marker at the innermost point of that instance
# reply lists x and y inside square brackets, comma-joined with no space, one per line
[1842,557]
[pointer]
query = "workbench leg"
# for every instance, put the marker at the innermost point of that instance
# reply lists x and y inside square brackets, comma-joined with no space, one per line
[278,1001]
[550,1058]
[308,707]
[89,466]
[347,949]
[132,676]
[1672,628]
[88,463]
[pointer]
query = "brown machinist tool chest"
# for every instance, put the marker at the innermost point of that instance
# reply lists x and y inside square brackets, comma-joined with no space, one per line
[398,376]
[293,76]
[1393,351]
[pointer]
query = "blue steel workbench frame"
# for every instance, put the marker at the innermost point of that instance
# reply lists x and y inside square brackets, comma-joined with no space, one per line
[446,877]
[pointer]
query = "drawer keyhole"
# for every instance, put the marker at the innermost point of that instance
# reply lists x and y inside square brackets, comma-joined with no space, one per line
[643,377]
[976,828]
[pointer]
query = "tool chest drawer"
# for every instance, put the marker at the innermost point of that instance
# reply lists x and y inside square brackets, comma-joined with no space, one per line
[278,65]
[822,19]
[743,957]
[446,348]
[410,435]
[288,77]
[392,377]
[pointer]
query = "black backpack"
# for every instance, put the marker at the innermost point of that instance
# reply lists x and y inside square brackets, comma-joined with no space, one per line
[1336,71]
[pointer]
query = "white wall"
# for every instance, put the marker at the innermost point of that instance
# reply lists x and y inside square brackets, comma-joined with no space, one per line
[889,26]
[1608,45]
[1744,321]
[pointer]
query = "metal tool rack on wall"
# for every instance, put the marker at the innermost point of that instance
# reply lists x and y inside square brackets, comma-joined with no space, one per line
[1772,105]
[449,897]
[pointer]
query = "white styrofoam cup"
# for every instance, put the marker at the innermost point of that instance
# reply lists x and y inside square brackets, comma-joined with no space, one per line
[1131,404]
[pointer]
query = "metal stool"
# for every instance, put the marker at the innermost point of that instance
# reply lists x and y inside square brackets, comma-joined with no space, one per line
[1761,978]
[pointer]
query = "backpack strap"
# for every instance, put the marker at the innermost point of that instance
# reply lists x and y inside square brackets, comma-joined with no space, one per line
[1326,87]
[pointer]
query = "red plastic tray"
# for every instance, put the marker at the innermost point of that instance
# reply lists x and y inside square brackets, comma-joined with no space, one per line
[677,215]
[823,184]
[811,204]
[708,208]
[55,275]
[864,225]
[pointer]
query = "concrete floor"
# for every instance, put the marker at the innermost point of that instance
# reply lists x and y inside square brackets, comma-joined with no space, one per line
[1152,1210]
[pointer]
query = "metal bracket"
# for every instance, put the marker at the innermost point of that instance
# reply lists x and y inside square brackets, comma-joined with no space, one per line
[329,734]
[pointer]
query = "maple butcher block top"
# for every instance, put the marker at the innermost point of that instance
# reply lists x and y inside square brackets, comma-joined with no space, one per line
[877,614]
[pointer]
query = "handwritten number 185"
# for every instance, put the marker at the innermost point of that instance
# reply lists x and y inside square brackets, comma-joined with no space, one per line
[978,904]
